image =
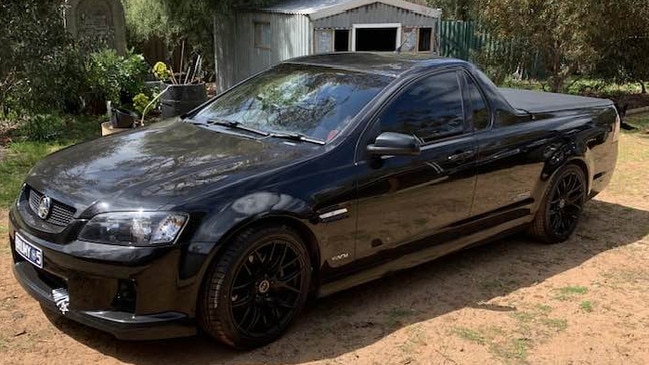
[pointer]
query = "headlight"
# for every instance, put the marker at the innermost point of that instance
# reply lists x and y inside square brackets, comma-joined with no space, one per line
[134,228]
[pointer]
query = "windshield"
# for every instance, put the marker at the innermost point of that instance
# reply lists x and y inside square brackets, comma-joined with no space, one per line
[314,101]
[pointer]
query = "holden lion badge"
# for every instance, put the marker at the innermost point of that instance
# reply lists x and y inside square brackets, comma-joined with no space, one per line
[44,207]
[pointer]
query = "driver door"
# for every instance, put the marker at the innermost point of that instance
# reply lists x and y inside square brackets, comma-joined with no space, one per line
[403,199]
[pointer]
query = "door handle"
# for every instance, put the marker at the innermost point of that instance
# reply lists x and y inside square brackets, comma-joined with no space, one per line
[461,155]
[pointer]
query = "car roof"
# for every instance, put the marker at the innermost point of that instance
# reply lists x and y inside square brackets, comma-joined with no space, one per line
[389,64]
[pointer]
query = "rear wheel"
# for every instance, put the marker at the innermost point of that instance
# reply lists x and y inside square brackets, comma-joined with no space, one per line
[257,287]
[561,207]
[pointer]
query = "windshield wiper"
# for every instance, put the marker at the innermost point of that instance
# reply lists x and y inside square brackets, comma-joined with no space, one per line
[298,137]
[237,125]
[194,122]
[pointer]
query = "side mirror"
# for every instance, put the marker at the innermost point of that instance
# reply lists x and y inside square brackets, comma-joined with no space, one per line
[395,144]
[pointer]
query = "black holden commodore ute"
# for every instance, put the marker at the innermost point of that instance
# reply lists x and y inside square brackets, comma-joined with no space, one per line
[311,177]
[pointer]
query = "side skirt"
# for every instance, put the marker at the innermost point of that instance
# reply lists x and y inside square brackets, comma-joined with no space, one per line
[425,255]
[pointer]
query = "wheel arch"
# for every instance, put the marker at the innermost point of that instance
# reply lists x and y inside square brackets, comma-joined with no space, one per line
[276,219]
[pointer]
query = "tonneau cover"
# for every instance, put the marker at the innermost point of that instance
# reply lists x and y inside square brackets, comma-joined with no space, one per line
[542,102]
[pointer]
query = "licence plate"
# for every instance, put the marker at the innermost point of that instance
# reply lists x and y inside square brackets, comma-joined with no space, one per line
[29,252]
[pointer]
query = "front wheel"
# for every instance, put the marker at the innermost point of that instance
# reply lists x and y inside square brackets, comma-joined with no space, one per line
[257,287]
[559,211]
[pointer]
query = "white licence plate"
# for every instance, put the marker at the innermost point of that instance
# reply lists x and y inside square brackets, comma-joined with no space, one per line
[29,252]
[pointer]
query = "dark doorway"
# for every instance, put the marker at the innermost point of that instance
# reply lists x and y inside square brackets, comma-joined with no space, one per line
[341,40]
[425,39]
[376,39]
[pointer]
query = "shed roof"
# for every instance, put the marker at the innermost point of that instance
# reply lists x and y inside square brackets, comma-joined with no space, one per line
[317,9]
[304,7]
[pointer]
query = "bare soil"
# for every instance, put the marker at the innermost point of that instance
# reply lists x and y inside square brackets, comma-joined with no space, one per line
[511,302]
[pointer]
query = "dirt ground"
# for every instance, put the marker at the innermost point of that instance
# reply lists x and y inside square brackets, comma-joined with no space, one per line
[511,302]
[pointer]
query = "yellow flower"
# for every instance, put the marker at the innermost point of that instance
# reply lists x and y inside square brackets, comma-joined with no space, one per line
[161,71]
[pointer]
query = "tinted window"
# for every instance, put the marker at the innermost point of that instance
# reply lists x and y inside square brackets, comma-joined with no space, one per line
[316,101]
[479,112]
[430,108]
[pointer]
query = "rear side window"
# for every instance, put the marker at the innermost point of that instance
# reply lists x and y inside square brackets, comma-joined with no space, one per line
[430,108]
[478,110]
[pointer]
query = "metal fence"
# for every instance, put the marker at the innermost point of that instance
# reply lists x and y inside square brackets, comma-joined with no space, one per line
[469,41]
[463,40]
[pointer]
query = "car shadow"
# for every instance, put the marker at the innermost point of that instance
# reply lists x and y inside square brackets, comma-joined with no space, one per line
[359,317]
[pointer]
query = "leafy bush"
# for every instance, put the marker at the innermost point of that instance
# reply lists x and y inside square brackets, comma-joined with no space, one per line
[115,78]
[42,127]
[39,63]
[140,101]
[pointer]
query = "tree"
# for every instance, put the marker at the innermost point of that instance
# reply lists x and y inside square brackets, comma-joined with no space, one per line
[557,31]
[621,39]
[175,21]
[150,18]
[39,63]
[465,10]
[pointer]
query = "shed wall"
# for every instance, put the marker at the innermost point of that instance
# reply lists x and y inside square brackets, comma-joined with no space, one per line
[237,56]
[375,13]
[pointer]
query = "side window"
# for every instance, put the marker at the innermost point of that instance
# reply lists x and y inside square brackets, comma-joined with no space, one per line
[478,110]
[431,109]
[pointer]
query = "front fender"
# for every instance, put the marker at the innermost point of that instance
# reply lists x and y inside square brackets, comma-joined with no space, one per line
[222,222]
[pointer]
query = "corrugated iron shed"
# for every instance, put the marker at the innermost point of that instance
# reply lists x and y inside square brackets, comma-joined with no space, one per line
[302,7]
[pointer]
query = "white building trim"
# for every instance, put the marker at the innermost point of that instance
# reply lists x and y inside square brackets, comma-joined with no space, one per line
[415,8]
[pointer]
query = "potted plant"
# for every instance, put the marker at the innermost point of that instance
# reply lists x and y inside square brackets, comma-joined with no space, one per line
[184,91]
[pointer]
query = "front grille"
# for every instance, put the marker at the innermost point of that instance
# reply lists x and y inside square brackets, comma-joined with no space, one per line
[60,214]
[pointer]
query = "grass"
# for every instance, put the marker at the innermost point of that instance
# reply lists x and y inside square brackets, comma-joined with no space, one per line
[533,325]
[516,349]
[544,308]
[572,290]
[395,316]
[581,86]
[556,324]
[640,121]
[416,340]
[586,306]
[22,154]
[568,292]
[470,335]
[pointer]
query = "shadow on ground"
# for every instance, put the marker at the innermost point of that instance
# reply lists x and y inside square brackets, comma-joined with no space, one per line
[362,316]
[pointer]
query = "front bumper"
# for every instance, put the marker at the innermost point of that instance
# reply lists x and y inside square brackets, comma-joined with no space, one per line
[160,308]
[122,325]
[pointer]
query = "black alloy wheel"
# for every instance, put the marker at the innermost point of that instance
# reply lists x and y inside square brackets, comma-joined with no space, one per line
[561,207]
[257,288]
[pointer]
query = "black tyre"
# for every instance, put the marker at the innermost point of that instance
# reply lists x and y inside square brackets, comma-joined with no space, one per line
[561,206]
[257,287]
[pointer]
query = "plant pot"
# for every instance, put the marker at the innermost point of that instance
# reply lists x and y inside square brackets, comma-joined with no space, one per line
[108,129]
[121,118]
[179,99]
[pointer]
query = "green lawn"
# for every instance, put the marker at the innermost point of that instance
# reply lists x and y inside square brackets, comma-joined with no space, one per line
[21,154]
[640,121]
[580,86]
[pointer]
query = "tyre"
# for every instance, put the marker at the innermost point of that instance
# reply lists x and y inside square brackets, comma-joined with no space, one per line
[257,287]
[560,209]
